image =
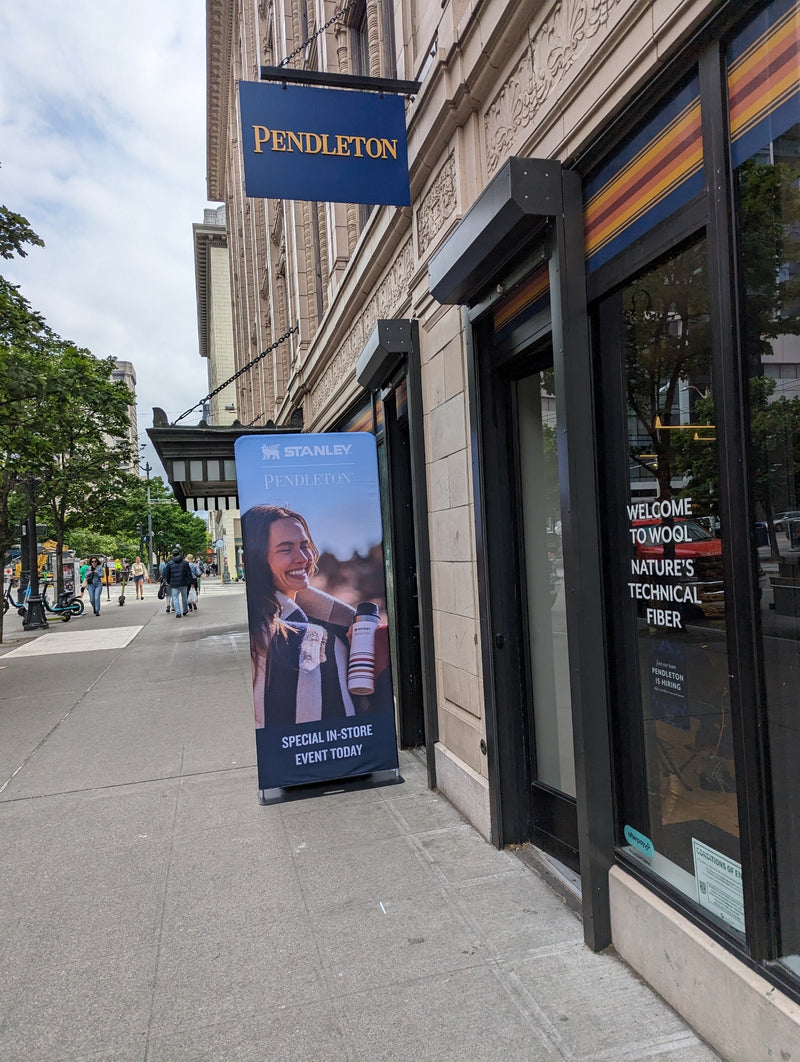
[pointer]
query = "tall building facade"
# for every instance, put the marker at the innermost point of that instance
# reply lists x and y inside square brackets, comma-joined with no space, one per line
[125,373]
[215,338]
[576,350]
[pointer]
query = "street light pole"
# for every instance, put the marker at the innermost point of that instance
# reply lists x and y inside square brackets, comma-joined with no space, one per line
[148,468]
[35,619]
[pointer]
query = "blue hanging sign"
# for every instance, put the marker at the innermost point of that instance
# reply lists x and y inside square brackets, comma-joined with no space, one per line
[331,145]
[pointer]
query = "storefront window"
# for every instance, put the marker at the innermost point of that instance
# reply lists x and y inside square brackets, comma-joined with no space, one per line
[765,134]
[688,832]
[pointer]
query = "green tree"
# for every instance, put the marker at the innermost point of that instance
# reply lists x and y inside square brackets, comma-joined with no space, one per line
[60,414]
[88,543]
[174,527]
[128,510]
[769,206]
[84,418]
[15,233]
[695,458]
[24,340]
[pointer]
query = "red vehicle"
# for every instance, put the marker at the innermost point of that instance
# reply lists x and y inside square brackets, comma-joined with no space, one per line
[680,537]
[676,571]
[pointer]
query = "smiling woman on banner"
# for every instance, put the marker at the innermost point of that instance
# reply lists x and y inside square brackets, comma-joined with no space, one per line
[300,637]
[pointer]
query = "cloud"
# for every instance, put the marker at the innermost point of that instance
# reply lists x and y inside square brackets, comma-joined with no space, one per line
[102,148]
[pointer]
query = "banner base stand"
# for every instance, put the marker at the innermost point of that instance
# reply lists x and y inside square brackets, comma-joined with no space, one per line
[334,785]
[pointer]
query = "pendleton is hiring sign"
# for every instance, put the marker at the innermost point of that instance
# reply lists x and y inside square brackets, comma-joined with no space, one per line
[331,145]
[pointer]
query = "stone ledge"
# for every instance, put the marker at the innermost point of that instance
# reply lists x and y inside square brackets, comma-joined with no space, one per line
[466,790]
[739,1013]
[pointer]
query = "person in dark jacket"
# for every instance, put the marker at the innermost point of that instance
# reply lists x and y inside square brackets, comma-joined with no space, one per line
[178,577]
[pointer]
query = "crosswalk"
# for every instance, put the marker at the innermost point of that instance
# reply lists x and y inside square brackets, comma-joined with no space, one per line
[210,585]
[80,641]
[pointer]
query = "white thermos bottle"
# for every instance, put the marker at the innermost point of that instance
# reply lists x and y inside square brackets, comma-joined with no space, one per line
[361,670]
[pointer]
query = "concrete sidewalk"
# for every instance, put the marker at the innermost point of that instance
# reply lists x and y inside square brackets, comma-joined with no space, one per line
[154,912]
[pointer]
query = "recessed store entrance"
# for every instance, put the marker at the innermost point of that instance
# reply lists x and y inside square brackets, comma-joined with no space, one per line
[516,263]
[526,591]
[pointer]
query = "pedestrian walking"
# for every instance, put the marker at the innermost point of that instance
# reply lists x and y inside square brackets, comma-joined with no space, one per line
[161,569]
[84,568]
[194,589]
[138,571]
[178,577]
[94,583]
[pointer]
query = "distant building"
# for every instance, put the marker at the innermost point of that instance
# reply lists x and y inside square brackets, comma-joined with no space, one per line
[215,338]
[125,373]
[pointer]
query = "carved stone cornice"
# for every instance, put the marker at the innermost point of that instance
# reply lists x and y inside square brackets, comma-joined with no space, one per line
[389,295]
[219,43]
[437,205]
[553,47]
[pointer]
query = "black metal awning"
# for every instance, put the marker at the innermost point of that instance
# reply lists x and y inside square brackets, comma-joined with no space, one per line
[199,460]
[511,210]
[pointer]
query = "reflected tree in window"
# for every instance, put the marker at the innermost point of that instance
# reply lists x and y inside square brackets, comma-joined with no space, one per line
[668,352]
[769,236]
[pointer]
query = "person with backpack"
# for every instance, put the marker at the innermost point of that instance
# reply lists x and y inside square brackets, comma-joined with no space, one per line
[178,578]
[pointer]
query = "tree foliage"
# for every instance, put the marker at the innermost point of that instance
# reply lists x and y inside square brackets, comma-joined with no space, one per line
[769,210]
[668,341]
[86,417]
[125,519]
[24,340]
[61,416]
[15,234]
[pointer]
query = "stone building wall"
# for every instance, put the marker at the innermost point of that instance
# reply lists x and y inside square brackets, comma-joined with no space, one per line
[500,78]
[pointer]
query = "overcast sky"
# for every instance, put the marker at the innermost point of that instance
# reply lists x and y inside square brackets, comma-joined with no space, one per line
[102,149]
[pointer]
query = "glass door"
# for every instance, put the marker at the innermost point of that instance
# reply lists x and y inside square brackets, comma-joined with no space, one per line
[545,657]
[544,589]
[521,582]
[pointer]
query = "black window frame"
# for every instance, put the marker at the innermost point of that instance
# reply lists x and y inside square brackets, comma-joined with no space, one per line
[712,212]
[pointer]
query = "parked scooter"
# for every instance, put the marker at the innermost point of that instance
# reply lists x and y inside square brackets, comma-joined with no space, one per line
[9,601]
[66,607]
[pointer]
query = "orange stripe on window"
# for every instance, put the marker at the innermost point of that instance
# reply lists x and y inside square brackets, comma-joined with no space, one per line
[660,167]
[766,75]
[521,298]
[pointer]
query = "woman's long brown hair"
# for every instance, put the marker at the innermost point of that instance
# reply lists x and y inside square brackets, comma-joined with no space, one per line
[262,600]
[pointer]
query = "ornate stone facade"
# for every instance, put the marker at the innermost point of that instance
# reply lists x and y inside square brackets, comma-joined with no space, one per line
[390,294]
[552,51]
[438,204]
[219,35]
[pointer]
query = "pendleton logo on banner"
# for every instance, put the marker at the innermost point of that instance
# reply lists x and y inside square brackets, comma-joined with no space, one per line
[331,145]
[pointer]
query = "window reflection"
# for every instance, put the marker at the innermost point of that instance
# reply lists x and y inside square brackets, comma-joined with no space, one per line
[544,570]
[675,585]
[768,185]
